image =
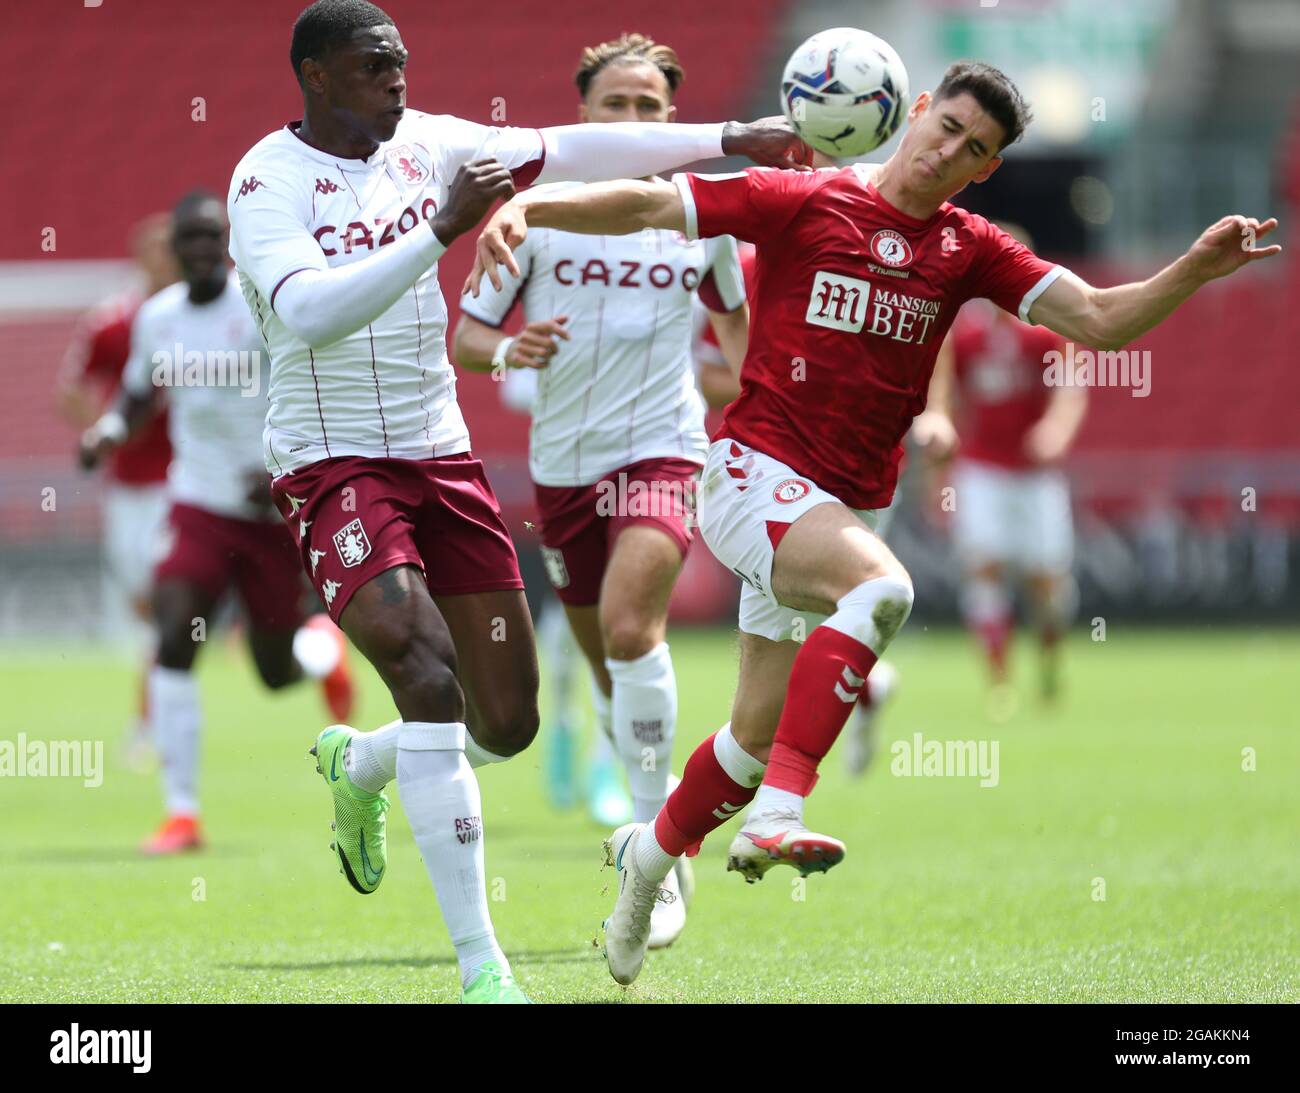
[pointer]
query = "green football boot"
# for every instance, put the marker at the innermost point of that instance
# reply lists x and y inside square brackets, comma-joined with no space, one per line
[494,986]
[359,837]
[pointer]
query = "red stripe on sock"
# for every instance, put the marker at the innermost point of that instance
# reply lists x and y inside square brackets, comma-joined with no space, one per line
[818,701]
[706,798]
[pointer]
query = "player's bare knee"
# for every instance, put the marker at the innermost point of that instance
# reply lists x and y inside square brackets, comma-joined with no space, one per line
[630,638]
[507,727]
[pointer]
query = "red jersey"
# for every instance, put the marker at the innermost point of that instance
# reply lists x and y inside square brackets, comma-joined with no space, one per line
[850,303]
[98,352]
[713,354]
[999,368]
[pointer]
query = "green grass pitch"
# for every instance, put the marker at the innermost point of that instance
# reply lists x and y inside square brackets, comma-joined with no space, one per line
[950,891]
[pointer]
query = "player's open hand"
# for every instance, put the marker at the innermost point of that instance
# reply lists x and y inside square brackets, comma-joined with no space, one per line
[475,188]
[1230,244]
[496,242]
[769,142]
[94,448]
[536,344]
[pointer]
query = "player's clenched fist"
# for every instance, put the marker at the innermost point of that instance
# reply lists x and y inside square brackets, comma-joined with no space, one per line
[474,189]
[535,345]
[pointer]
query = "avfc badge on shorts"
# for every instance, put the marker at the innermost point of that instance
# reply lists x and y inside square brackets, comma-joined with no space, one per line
[352,544]
[556,570]
[790,491]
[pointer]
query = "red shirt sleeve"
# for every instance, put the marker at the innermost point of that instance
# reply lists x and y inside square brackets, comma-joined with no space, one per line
[755,205]
[1007,272]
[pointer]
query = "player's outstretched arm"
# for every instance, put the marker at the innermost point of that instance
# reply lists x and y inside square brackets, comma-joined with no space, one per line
[596,152]
[1110,318]
[478,347]
[605,208]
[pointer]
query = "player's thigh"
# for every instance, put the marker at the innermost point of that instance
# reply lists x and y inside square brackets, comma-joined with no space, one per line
[826,553]
[272,652]
[986,521]
[196,569]
[497,656]
[1047,545]
[270,580]
[394,623]
[638,583]
[584,622]
[760,691]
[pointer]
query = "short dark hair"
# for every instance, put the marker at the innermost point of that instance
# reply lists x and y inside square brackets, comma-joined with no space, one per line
[993,90]
[328,24]
[192,202]
[629,49]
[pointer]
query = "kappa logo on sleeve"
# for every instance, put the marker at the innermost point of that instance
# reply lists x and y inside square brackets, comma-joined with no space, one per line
[251,183]
[352,543]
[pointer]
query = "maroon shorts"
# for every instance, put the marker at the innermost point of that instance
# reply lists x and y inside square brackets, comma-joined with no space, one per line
[579,524]
[256,556]
[356,516]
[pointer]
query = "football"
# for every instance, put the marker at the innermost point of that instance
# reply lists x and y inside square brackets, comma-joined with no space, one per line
[844,91]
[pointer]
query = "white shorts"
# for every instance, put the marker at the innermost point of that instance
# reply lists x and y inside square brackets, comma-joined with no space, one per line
[1019,518]
[746,500]
[135,519]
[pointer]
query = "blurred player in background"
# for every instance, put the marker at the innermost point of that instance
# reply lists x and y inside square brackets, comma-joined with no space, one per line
[135,478]
[561,660]
[608,323]
[1012,514]
[196,341]
[861,273]
[338,222]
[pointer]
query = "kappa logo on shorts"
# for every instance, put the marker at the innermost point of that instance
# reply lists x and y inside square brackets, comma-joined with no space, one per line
[556,570]
[791,490]
[352,544]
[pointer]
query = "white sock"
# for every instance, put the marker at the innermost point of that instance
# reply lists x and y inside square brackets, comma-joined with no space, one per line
[604,707]
[559,654]
[769,797]
[602,751]
[441,797]
[176,718]
[316,651]
[371,758]
[644,717]
[478,755]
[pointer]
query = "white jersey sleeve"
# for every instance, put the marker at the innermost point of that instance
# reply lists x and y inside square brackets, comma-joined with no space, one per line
[491,306]
[269,234]
[455,142]
[137,376]
[723,258]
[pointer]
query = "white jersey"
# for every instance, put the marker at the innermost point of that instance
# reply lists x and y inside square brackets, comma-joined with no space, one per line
[622,388]
[386,390]
[210,363]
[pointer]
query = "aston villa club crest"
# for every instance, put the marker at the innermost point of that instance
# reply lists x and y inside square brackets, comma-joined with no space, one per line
[352,544]
[403,161]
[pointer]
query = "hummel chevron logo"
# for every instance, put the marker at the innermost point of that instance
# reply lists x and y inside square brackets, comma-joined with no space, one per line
[726,810]
[848,689]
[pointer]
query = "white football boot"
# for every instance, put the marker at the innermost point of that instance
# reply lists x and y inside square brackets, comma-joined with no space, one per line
[628,928]
[668,919]
[777,836]
[862,733]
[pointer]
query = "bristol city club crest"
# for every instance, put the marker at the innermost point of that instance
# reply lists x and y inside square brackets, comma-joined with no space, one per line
[890,249]
[403,161]
[790,491]
[352,544]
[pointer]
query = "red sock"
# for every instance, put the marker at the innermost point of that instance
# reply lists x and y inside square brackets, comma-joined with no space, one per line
[706,798]
[827,676]
[995,634]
